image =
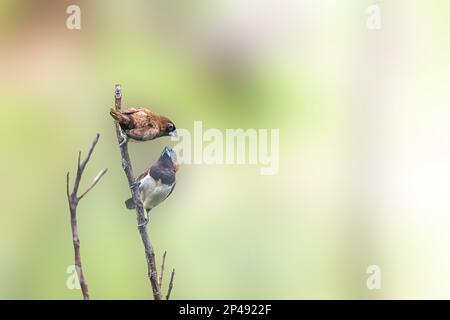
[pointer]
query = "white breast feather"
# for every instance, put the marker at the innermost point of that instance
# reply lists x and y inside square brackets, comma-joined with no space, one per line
[153,192]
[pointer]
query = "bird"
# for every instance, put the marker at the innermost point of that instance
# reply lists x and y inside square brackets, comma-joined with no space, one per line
[141,124]
[157,183]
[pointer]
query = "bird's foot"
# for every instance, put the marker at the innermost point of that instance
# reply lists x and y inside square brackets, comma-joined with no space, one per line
[143,224]
[134,186]
[146,219]
[123,142]
[124,138]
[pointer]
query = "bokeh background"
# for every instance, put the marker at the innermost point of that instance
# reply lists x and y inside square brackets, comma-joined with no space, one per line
[364,123]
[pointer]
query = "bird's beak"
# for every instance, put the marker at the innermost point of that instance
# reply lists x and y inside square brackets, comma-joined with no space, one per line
[174,158]
[173,133]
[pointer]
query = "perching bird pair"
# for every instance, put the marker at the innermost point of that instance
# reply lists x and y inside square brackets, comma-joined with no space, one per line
[157,183]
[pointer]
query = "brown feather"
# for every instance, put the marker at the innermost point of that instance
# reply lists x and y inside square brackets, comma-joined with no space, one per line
[119,117]
[141,124]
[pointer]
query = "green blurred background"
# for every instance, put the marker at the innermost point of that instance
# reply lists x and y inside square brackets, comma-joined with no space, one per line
[364,152]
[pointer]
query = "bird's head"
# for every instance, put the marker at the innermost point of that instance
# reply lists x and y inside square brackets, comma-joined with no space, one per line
[168,127]
[169,159]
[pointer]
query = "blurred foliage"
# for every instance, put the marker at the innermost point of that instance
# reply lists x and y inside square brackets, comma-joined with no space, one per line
[298,66]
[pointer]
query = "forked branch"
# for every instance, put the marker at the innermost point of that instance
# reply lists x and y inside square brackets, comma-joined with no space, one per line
[74,199]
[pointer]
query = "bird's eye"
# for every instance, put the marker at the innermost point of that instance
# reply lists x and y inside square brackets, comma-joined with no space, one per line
[170,126]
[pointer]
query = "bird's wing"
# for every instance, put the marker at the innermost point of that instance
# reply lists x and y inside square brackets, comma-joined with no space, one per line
[171,190]
[130,202]
[143,118]
[142,175]
[143,134]
[131,110]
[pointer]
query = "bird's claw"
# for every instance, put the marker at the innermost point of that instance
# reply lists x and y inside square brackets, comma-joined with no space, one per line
[123,142]
[134,186]
[124,138]
[143,224]
[146,219]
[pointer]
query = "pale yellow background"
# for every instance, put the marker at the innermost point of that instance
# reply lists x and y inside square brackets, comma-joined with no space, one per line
[364,125]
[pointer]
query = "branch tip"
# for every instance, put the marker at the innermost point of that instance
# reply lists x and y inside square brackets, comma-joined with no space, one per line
[161,276]
[169,291]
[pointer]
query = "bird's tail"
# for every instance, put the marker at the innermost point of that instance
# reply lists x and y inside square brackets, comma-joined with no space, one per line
[119,117]
[130,204]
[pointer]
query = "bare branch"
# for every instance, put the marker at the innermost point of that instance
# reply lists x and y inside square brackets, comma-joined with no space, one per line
[91,149]
[73,204]
[67,186]
[170,284]
[162,270]
[94,182]
[126,165]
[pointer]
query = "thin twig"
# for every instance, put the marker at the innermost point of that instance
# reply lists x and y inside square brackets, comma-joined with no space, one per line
[73,204]
[162,270]
[169,291]
[126,165]
[94,182]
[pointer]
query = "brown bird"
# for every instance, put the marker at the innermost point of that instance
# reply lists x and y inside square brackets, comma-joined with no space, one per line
[141,124]
[157,183]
